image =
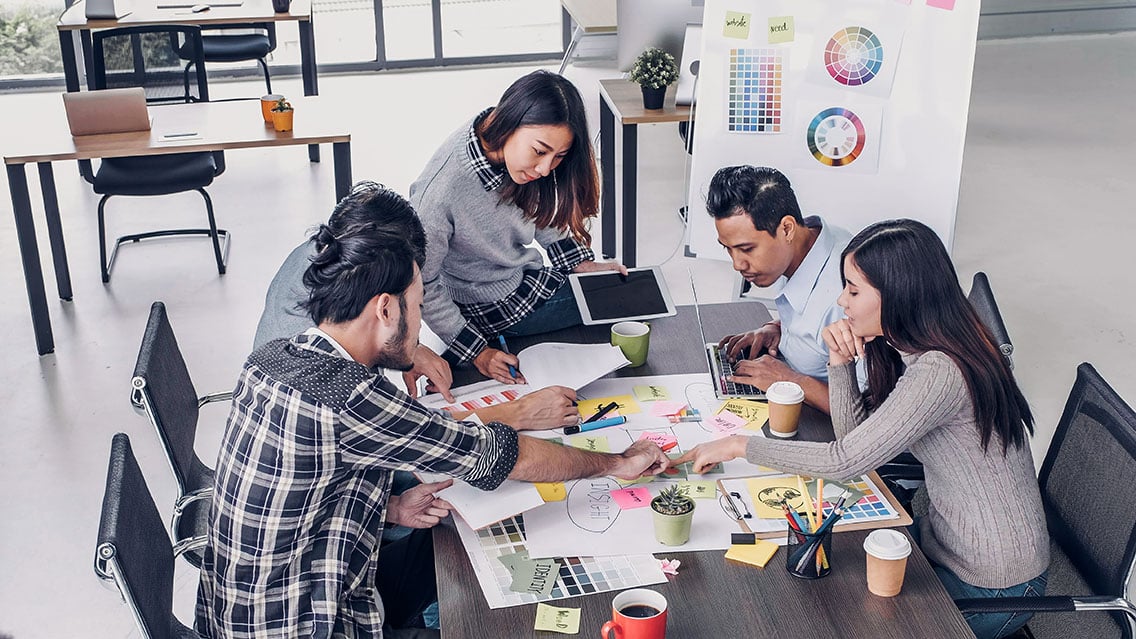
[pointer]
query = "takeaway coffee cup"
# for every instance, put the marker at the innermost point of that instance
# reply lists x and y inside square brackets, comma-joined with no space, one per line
[266,104]
[784,408]
[887,552]
[633,338]
[639,613]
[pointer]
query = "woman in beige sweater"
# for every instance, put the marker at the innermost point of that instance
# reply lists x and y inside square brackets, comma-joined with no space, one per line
[937,386]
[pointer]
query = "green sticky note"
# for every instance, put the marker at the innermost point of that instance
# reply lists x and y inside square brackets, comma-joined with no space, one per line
[650,393]
[594,443]
[552,619]
[535,577]
[737,25]
[781,29]
[699,489]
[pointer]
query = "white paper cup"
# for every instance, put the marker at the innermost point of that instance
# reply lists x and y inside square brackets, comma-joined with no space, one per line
[784,408]
[887,552]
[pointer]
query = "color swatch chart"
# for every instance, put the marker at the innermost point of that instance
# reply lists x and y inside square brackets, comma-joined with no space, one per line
[755,85]
[871,506]
[853,56]
[836,136]
[578,575]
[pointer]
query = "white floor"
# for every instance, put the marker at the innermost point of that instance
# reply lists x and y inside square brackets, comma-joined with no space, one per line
[1045,210]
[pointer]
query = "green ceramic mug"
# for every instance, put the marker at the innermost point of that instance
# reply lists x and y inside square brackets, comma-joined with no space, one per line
[633,338]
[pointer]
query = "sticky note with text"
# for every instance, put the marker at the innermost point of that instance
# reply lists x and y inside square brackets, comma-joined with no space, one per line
[737,25]
[554,619]
[781,30]
[629,498]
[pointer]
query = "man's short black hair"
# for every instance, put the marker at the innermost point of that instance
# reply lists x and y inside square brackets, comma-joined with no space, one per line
[761,192]
[368,247]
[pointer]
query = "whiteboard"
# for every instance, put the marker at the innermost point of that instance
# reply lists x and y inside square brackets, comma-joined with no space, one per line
[871,103]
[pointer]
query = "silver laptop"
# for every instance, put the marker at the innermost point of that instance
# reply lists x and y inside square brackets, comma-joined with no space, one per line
[108,9]
[107,111]
[720,365]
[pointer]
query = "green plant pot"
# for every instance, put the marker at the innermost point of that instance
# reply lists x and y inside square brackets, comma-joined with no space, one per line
[672,530]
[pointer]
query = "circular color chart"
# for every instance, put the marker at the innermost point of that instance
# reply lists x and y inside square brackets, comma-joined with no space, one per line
[853,56]
[836,136]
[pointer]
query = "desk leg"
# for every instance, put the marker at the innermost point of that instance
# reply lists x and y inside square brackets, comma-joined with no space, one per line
[630,180]
[341,154]
[607,188]
[70,64]
[308,70]
[29,255]
[55,230]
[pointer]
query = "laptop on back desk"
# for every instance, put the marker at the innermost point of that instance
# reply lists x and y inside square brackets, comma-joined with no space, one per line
[720,365]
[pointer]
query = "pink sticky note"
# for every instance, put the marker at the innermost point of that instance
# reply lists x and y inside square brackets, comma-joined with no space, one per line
[665,409]
[949,5]
[725,422]
[660,439]
[629,498]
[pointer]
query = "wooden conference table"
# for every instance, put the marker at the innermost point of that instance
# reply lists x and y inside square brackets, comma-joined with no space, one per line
[711,597]
[622,101]
[146,12]
[216,126]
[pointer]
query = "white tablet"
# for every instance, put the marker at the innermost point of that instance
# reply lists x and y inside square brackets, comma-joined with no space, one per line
[607,297]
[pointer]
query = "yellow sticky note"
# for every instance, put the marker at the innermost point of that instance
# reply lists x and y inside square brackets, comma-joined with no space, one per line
[650,393]
[757,554]
[627,406]
[699,489]
[594,443]
[551,492]
[737,25]
[781,29]
[563,620]
[755,413]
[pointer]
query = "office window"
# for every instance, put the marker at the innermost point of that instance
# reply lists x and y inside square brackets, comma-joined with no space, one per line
[500,27]
[29,45]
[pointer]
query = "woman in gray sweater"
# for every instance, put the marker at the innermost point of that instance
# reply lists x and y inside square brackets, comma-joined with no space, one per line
[937,386]
[518,173]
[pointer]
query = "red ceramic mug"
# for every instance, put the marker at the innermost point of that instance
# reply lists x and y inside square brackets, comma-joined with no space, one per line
[637,614]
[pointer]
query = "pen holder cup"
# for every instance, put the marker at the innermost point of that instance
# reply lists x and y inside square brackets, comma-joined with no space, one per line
[809,556]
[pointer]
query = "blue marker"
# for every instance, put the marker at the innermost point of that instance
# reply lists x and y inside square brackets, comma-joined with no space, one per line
[505,349]
[584,427]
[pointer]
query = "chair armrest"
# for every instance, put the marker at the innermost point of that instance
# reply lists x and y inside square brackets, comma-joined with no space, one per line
[1017,604]
[191,543]
[222,396]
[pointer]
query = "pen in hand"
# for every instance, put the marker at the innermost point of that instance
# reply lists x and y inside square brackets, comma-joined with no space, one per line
[505,349]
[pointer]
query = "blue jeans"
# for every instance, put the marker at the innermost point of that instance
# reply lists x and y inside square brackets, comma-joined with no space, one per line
[994,625]
[557,312]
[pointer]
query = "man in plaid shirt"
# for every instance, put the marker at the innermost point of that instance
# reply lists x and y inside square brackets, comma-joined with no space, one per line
[303,477]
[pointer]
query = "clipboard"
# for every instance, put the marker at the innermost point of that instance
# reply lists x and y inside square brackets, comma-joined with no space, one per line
[904,518]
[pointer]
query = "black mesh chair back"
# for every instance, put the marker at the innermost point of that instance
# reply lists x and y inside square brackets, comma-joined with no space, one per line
[150,57]
[238,43]
[133,549]
[1087,481]
[163,391]
[981,297]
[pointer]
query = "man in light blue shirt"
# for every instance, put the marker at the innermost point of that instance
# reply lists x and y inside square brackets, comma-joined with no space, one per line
[759,223]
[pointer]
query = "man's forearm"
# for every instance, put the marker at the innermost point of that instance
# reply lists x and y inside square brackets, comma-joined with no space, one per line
[540,461]
[816,392]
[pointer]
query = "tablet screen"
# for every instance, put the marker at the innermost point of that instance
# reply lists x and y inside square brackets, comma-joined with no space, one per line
[610,297]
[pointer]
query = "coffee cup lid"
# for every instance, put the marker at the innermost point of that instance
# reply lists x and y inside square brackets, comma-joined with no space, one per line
[785,393]
[887,544]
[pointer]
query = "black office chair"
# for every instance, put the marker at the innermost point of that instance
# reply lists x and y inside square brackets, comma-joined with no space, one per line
[162,390]
[147,57]
[981,297]
[254,42]
[1087,481]
[133,549]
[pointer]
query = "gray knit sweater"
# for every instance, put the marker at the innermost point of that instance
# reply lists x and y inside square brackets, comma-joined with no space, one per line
[476,245]
[985,522]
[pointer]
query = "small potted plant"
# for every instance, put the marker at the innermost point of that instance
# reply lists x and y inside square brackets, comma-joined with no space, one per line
[282,115]
[654,70]
[672,511]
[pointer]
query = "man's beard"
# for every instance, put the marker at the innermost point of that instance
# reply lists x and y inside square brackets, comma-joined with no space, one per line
[394,355]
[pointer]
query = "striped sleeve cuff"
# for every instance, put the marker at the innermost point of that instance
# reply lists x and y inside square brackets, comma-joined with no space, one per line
[498,460]
[567,254]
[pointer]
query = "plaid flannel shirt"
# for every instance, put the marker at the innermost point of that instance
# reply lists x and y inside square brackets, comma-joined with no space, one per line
[490,318]
[301,490]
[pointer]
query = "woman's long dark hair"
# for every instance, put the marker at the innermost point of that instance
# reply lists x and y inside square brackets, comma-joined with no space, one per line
[570,195]
[922,308]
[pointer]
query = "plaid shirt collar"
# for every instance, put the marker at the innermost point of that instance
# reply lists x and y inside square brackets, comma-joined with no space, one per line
[490,176]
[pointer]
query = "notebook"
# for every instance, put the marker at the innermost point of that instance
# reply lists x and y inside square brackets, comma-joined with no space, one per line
[107,111]
[720,365]
[107,9]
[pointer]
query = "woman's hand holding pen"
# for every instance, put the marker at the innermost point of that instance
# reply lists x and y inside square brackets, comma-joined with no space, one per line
[591,266]
[491,362]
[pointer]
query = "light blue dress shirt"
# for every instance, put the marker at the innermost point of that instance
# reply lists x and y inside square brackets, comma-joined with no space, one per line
[806,302]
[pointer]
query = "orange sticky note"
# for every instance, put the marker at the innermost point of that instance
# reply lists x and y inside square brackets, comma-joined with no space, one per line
[756,554]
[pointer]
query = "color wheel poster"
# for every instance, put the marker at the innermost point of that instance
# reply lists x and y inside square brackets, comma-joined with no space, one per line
[862,104]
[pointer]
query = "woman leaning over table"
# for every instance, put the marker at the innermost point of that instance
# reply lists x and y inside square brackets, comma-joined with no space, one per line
[938,386]
[515,173]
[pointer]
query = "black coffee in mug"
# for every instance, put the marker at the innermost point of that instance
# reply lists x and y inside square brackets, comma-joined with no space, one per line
[641,611]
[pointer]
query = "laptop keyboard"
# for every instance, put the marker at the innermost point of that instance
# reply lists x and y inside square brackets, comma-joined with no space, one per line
[727,368]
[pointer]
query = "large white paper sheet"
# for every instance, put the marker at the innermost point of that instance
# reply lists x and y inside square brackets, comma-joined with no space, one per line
[571,365]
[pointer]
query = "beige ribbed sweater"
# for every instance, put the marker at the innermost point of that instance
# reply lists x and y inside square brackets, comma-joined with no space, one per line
[985,521]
